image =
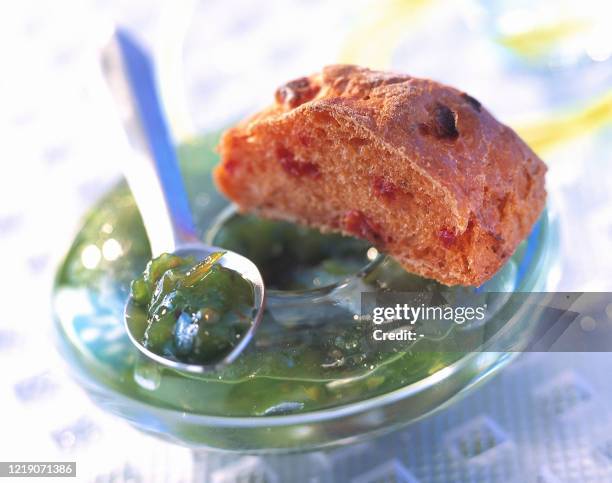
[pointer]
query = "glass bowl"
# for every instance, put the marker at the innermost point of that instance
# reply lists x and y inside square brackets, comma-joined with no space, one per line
[304,383]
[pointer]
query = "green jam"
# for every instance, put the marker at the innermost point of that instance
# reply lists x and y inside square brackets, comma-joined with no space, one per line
[292,257]
[190,312]
[308,354]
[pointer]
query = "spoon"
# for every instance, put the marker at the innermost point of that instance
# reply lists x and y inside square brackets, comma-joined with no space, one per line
[155,180]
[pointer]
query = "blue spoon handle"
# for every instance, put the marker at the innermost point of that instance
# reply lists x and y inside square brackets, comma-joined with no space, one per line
[153,172]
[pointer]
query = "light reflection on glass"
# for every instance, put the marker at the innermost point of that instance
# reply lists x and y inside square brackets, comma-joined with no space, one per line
[90,256]
[111,249]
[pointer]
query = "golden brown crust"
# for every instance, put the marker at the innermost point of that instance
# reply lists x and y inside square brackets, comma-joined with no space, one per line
[419,168]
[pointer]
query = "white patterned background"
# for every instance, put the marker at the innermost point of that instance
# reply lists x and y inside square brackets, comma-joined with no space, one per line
[220,60]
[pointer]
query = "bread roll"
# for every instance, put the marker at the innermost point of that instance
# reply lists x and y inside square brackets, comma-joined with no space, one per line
[421,170]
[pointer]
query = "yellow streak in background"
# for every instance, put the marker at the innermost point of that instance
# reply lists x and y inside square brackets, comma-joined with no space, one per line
[547,134]
[372,43]
[537,42]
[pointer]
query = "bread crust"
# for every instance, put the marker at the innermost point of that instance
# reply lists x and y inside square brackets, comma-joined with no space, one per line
[419,168]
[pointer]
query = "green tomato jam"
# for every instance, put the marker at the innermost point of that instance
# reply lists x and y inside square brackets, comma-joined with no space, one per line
[308,354]
[190,312]
[292,257]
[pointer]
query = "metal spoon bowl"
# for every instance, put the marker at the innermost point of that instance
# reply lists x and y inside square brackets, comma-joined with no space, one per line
[155,180]
[229,260]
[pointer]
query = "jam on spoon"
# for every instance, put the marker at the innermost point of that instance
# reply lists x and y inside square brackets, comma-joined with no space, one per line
[195,313]
[180,288]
